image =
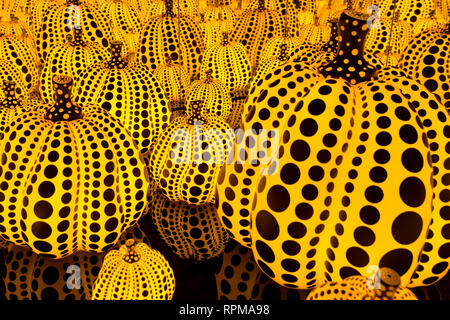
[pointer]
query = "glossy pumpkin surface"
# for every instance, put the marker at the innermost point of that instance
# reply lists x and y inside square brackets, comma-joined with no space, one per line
[288,219]
[118,278]
[128,91]
[64,209]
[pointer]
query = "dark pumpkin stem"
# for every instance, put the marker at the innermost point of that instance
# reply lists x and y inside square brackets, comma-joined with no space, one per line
[13,18]
[209,78]
[63,109]
[132,256]
[349,63]
[77,38]
[225,40]
[196,112]
[169,8]
[11,100]
[116,60]
[261,5]
[283,52]
[332,44]
[389,283]
[169,60]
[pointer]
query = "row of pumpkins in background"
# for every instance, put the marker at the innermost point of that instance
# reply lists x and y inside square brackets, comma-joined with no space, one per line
[212,65]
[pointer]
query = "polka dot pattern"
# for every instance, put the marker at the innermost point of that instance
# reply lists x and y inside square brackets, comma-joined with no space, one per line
[69,59]
[22,56]
[214,94]
[356,288]
[84,185]
[344,149]
[410,11]
[185,166]
[238,277]
[127,91]
[426,61]
[175,35]
[192,232]
[54,29]
[134,272]
[254,28]
[30,276]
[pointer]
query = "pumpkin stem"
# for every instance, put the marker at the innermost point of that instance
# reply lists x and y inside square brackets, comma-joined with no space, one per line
[63,109]
[349,63]
[389,283]
[169,60]
[225,40]
[283,52]
[13,18]
[196,112]
[169,8]
[116,60]
[131,256]
[10,101]
[261,5]
[332,44]
[209,78]
[77,38]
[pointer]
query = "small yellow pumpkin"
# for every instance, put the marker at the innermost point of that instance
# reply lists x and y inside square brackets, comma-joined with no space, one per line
[134,272]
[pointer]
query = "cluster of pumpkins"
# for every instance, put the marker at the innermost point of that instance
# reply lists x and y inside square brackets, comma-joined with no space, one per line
[208,117]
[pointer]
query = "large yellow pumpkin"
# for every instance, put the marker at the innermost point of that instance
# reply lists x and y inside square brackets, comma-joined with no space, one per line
[350,174]
[72,178]
[127,90]
[134,272]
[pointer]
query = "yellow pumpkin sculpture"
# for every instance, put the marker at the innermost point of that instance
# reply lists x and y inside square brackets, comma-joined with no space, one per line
[239,278]
[426,60]
[191,232]
[70,59]
[254,28]
[315,201]
[61,19]
[134,272]
[30,276]
[12,105]
[175,35]
[78,175]
[127,90]
[22,56]
[186,158]
[214,94]
[386,287]
[230,64]
[174,81]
